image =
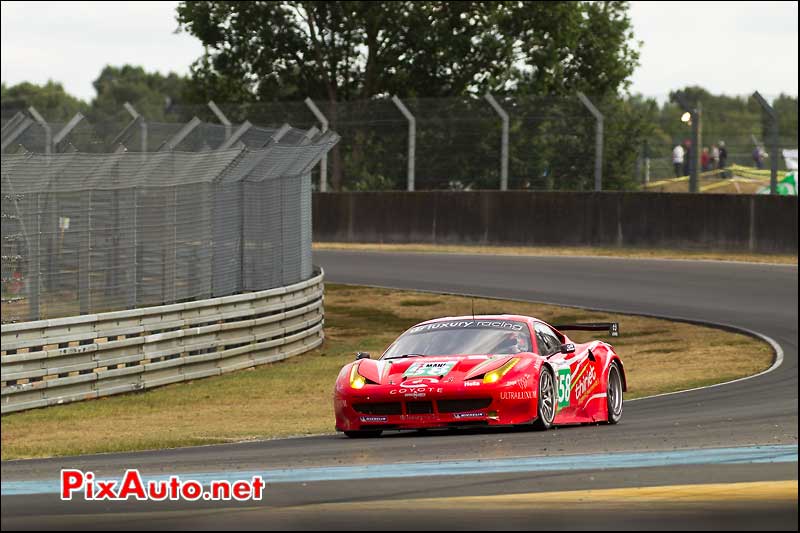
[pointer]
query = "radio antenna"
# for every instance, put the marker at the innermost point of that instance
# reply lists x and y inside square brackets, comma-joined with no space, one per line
[473,308]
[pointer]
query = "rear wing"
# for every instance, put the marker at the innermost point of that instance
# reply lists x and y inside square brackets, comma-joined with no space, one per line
[612,327]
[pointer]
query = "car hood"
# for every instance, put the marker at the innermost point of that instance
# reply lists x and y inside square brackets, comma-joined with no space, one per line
[446,369]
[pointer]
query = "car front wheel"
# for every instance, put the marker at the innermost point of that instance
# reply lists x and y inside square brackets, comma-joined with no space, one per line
[546,403]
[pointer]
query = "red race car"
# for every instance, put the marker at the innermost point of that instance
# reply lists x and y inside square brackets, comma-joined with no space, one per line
[495,370]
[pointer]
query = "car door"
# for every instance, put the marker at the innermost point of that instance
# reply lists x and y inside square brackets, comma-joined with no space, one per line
[575,373]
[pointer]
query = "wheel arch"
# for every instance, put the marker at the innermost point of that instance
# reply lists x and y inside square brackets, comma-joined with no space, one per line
[615,359]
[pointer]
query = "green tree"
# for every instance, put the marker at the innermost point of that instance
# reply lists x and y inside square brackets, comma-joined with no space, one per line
[150,93]
[355,50]
[50,99]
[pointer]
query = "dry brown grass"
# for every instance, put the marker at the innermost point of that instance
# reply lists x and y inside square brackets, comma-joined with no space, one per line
[293,397]
[631,253]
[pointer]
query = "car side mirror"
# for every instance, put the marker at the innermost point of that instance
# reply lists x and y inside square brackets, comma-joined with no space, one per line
[568,348]
[362,355]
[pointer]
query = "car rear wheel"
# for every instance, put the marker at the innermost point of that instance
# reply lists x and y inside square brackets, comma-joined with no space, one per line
[365,434]
[614,394]
[546,404]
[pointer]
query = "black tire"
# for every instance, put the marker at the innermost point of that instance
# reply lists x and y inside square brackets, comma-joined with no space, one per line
[546,402]
[365,434]
[614,399]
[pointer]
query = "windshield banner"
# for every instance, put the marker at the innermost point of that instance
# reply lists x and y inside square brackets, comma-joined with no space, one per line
[476,324]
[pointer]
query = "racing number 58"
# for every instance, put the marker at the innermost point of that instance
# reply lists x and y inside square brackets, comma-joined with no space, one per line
[564,387]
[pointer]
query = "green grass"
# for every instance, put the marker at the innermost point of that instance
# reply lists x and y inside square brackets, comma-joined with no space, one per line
[294,397]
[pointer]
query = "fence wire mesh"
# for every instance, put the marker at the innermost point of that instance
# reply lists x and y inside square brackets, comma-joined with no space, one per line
[86,232]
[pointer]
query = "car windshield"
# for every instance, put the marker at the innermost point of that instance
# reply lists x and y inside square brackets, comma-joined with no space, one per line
[462,337]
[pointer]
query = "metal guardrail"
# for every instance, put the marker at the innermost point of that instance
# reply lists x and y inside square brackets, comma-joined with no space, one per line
[51,362]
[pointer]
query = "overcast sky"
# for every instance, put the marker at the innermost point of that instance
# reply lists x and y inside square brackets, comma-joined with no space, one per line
[726,47]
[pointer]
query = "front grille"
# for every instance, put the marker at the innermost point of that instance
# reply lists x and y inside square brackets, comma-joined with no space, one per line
[460,406]
[419,408]
[380,408]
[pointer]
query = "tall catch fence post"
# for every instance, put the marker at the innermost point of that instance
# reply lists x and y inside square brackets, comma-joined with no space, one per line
[598,154]
[48,132]
[323,163]
[222,118]
[695,116]
[412,140]
[14,129]
[773,141]
[68,127]
[142,126]
[504,141]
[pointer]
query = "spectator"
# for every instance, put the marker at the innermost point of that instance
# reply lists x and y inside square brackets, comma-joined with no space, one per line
[705,159]
[687,157]
[758,157]
[723,155]
[714,157]
[677,159]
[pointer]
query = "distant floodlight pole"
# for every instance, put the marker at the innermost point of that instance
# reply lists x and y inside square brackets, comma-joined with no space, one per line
[221,117]
[142,124]
[412,139]
[48,133]
[695,116]
[598,140]
[323,163]
[503,143]
[773,141]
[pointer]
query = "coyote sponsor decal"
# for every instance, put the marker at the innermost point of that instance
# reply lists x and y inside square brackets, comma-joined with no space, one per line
[432,369]
[419,391]
[564,386]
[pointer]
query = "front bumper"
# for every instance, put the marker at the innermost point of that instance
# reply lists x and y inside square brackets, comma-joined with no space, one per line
[377,407]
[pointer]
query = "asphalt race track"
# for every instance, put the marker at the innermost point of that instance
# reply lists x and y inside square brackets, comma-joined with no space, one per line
[730,438]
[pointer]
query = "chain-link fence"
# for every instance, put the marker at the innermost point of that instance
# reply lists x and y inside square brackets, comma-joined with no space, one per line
[90,232]
[551,141]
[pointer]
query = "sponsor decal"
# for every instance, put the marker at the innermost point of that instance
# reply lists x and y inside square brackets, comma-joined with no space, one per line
[564,386]
[416,390]
[415,395]
[472,383]
[469,415]
[517,395]
[433,369]
[585,382]
[420,382]
[416,418]
[463,324]
[524,382]
[374,418]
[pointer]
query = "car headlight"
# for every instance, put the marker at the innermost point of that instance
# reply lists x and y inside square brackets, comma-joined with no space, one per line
[497,374]
[357,381]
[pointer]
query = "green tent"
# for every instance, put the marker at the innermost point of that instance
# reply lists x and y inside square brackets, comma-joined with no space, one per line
[787,186]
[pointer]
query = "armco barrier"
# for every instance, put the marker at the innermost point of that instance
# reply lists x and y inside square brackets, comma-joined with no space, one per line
[50,362]
[760,223]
